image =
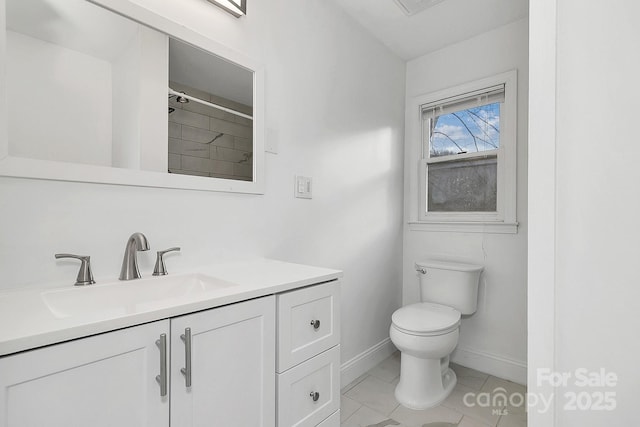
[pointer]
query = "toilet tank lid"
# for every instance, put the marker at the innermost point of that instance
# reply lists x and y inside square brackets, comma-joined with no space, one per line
[448,265]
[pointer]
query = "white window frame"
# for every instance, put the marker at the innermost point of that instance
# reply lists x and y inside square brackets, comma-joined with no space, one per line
[504,219]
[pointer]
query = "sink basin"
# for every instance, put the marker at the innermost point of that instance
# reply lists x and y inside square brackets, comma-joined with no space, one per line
[131,297]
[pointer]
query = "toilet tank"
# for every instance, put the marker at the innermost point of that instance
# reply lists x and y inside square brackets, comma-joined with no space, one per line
[450,283]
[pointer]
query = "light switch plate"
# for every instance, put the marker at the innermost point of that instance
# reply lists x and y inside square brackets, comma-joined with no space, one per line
[302,187]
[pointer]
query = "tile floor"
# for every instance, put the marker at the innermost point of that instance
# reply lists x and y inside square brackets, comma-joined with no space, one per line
[369,401]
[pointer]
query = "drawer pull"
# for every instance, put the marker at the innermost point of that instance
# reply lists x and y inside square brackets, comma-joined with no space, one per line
[315,324]
[314,395]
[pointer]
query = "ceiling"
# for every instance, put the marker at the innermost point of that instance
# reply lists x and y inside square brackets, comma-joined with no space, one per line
[442,24]
[208,72]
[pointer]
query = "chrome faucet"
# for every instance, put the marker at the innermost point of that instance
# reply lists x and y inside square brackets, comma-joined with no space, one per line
[85,277]
[137,242]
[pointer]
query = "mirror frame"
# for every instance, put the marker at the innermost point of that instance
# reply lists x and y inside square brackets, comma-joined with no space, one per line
[20,167]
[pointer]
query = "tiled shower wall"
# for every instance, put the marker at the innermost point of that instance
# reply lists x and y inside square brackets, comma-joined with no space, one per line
[206,141]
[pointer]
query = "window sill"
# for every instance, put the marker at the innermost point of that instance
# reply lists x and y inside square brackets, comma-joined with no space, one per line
[465,227]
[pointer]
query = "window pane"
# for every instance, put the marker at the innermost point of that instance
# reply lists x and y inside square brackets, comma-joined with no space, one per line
[463,186]
[466,131]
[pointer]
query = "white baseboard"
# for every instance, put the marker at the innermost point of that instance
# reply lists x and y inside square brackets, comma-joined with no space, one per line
[498,366]
[356,366]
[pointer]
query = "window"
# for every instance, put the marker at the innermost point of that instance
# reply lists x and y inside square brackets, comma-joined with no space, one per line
[468,145]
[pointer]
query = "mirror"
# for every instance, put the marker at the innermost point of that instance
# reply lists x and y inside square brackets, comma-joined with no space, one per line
[95,96]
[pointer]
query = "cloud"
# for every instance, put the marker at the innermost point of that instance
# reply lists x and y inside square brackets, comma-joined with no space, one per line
[481,123]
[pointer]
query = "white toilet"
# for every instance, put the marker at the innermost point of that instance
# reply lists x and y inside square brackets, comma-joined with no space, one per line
[427,332]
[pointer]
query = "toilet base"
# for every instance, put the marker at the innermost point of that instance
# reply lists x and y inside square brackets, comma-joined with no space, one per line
[422,384]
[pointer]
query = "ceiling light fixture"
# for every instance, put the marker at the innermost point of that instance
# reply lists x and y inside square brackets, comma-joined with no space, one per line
[237,8]
[411,7]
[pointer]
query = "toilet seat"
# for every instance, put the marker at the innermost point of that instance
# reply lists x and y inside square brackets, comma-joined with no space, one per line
[426,319]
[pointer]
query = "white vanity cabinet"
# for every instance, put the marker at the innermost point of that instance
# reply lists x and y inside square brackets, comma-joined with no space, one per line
[263,354]
[110,379]
[309,356]
[100,381]
[229,355]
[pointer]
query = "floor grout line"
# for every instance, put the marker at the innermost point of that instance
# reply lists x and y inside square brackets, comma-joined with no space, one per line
[476,384]
[353,383]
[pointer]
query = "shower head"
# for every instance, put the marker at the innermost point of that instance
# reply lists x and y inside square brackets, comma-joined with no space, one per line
[180,99]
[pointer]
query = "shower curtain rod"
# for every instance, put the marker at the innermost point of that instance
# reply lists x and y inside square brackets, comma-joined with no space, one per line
[209,104]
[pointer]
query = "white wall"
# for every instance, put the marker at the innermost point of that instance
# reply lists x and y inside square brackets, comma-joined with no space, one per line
[140,76]
[595,176]
[4,147]
[494,339]
[335,104]
[154,70]
[125,151]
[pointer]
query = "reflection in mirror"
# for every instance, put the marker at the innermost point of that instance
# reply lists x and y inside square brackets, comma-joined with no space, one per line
[210,115]
[63,58]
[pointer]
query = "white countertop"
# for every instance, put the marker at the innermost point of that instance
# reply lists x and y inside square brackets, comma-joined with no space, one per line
[29,318]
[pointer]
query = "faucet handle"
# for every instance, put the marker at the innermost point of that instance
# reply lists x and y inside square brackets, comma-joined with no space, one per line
[85,277]
[160,269]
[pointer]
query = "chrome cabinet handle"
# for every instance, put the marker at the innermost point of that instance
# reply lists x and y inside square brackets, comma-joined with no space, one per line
[186,371]
[160,268]
[162,378]
[85,277]
[314,395]
[315,324]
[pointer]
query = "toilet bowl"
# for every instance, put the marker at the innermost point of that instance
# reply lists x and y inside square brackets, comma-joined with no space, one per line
[426,333]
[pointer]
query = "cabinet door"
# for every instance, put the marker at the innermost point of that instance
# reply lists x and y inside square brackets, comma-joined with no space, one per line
[232,366]
[101,381]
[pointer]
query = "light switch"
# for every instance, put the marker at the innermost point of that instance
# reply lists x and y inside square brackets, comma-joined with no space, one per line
[302,187]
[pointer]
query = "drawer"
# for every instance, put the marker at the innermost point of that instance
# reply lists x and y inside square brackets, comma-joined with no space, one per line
[332,421]
[319,379]
[308,323]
